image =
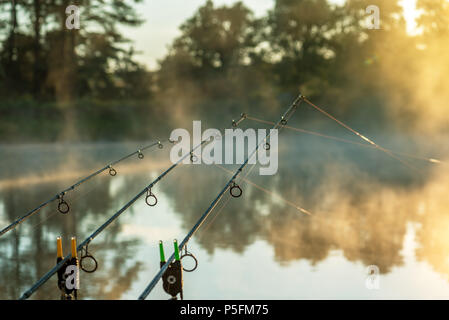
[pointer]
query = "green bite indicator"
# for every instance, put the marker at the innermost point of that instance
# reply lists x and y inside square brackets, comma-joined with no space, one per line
[161,251]
[175,243]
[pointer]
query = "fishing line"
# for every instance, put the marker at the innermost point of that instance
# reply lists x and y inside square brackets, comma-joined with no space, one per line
[235,124]
[268,192]
[431,160]
[212,206]
[362,136]
[213,216]
[50,214]
[210,220]
[63,206]
[88,240]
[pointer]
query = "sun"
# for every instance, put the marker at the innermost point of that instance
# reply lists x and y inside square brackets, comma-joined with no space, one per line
[410,15]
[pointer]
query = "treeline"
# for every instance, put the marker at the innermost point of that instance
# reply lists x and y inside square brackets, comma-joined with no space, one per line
[226,61]
[45,60]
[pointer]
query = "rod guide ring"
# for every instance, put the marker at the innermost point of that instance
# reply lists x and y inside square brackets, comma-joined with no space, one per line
[193,157]
[63,206]
[150,195]
[267,146]
[188,254]
[235,191]
[87,255]
[112,171]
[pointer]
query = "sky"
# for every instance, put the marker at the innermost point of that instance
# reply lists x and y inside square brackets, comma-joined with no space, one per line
[163,19]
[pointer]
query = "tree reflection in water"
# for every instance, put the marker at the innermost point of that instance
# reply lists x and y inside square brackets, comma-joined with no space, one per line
[361,203]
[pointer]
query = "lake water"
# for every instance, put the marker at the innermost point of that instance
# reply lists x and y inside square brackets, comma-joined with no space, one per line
[366,207]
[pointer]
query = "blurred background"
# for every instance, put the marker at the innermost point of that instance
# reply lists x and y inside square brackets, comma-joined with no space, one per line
[73,100]
[140,63]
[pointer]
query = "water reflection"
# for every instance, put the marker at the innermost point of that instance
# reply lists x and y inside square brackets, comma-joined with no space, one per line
[361,203]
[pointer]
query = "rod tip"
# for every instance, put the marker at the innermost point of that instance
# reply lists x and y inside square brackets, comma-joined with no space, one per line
[434,160]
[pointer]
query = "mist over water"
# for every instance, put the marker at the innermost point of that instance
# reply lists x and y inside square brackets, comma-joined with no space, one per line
[366,209]
[72,101]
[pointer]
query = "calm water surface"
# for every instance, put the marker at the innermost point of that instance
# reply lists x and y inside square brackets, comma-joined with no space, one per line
[367,209]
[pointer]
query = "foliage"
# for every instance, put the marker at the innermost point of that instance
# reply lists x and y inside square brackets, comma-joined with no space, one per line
[225,61]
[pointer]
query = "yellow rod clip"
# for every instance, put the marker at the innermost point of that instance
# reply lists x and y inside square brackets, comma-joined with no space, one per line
[59,247]
[74,253]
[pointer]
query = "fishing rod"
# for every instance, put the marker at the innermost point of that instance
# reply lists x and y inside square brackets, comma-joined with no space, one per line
[257,186]
[229,185]
[361,136]
[86,242]
[297,207]
[318,134]
[63,206]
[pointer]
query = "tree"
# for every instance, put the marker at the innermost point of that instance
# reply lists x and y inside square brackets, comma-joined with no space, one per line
[97,40]
[299,36]
[434,19]
[210,63]
[215,38]
[58,55]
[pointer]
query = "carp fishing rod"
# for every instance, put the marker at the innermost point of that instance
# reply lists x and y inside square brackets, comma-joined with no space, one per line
[86,242]
[322,135]
[63,206]
[228,186]
[361,136]
[165,265]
